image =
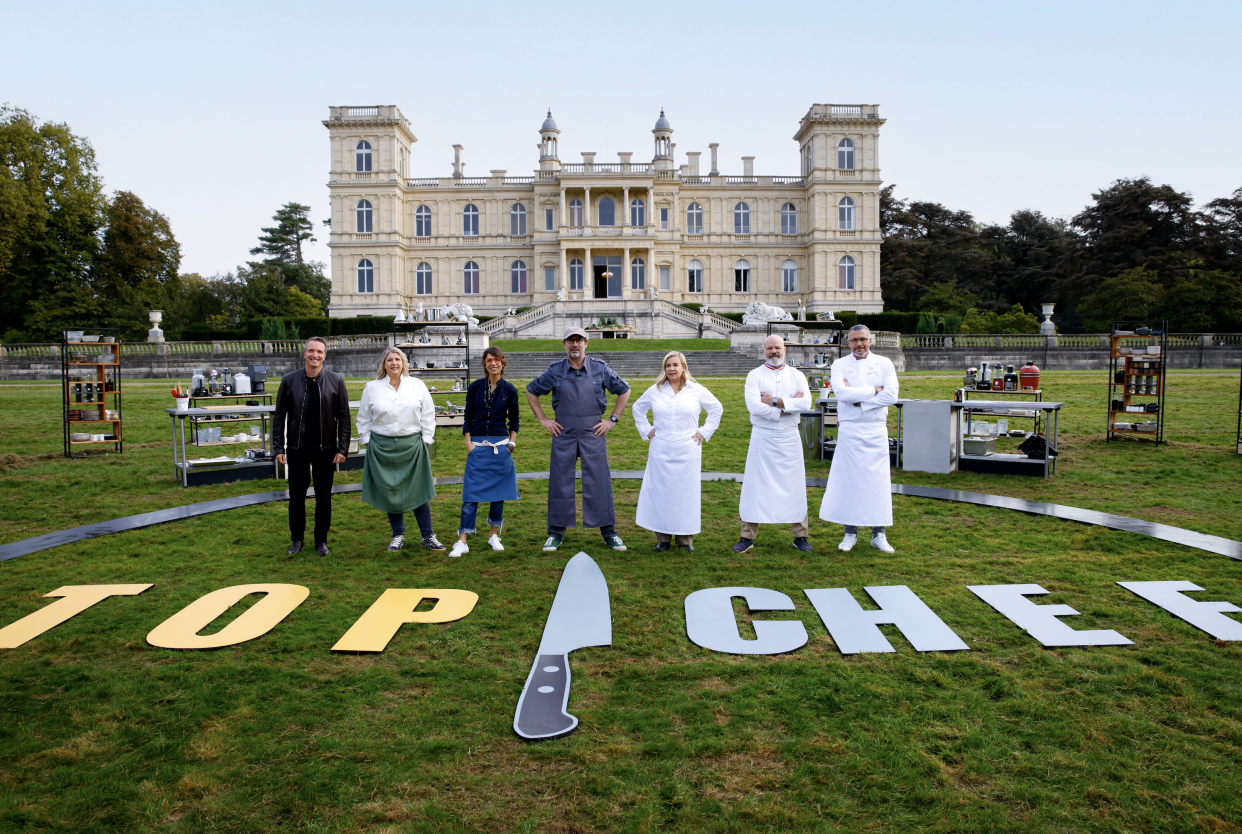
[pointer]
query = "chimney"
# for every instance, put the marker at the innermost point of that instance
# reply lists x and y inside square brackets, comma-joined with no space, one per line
[715,172]
[748,166]
[457,161]
[692,157]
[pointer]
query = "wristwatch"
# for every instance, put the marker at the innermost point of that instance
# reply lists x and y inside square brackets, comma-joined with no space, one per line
[613,417]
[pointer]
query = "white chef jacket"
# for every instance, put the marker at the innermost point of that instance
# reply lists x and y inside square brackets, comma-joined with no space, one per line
[677,415]
[671,495]
[396,412]
[779,383]
[863,376]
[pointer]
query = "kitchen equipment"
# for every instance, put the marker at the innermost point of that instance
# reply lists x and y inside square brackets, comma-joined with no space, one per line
[1011,379]
[970,380]
[1153,350]
[581,616]
[198,383]
[1028,376]
[89,339]
[241,384]
[1123,332]
[1148,427]
[979,445]
[353,445]
[1002,427]
[258,378]
[985,377]
[1152,408]
[1123,351]
[213,382]
[998,380]
[73,335]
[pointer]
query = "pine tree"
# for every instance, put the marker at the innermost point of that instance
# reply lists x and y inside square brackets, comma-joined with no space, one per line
[282,243]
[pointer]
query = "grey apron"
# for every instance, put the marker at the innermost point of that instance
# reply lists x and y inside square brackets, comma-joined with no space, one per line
[578,411]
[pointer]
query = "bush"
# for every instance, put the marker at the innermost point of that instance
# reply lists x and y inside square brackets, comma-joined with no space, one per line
[1014,321]
[203,333]
[357,325]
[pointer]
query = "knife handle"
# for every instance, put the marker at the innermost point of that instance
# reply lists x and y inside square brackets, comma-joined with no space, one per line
[541,711]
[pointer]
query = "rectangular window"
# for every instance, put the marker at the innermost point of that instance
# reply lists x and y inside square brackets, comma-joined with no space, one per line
[549,275]
[664,222]
[547,220]
[664,276]
[638,275]
[741,280]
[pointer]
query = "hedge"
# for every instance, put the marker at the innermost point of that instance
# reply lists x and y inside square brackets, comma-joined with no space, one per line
[361,325]
[203,333]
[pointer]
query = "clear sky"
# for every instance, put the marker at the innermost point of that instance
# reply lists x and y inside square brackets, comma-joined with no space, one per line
[211,112]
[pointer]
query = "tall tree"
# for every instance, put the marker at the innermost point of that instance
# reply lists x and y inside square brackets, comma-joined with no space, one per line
[1133,225]
[51,211]
[1223,233]
[1031,253]
[282,243]
[136,269]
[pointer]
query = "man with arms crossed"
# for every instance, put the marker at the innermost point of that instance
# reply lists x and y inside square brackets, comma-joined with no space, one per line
[578,385]
[314,403]
[859,489]
[774,486]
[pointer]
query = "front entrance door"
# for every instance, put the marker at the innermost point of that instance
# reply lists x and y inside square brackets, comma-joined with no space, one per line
[607,272]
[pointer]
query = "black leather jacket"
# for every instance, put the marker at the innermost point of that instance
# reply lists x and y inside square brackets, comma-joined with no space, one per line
[334,426]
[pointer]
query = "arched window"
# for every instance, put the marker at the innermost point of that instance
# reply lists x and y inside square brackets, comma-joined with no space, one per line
[362,156]
[789,219]
[694,219]
[575,213]
[607,212]
[789,276]
[470,220]
[845,155]
[638,274]
[741,219]
[694,276]
[575,269]
[422,279]
[845,273]
[638,213]
[741,276]
[366,276]
[422,222]
[517,219]
[517,278]
[471,274]
[845,213]
[364,217]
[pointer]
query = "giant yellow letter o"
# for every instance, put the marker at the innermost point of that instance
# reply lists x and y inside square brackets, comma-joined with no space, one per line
[181,630]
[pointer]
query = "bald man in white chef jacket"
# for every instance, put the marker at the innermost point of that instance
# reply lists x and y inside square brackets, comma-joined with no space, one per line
[859,489]
[774,486]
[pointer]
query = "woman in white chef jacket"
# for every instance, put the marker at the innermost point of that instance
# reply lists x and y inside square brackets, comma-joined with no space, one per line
[668,503]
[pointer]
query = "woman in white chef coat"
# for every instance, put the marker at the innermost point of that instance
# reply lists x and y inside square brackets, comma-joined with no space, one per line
[397,422]
[668,503]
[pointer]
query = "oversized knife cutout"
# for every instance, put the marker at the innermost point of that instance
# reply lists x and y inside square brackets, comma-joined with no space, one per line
[581,616]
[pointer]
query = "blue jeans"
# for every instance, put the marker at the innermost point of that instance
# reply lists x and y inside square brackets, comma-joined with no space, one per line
[470,511]
[422,515]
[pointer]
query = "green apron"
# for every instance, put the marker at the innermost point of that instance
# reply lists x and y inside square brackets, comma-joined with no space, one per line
[396,474]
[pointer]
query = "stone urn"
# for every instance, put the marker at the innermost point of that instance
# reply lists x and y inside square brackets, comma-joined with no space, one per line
[1047,328]
[155,334]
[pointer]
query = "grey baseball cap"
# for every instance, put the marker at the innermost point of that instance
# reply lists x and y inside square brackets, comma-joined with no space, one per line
[575,331]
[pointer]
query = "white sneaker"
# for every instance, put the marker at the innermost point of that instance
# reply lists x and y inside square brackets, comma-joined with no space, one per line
[848,542]
[880,543]
[459,548]
[494,542]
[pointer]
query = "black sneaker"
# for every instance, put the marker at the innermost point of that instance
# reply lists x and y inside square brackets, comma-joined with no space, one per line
[322,549]
[661,547]
[295,548]
[432,543]
[743,544]
[689,547]
[802,544]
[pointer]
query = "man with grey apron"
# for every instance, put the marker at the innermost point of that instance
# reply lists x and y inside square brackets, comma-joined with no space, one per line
[579,387]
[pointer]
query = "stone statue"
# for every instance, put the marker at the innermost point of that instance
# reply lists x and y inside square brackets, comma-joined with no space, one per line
[560,295]
[418,314]
[458,312]
[801,309]
[759,313]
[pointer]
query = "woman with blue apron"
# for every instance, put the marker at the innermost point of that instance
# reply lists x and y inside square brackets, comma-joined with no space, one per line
[490,429]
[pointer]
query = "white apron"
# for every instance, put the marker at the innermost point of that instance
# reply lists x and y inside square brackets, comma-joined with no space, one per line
[859,483]
[774,486]
[669,501]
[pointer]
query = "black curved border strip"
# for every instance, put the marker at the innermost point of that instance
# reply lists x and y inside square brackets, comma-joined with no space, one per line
[1164,532]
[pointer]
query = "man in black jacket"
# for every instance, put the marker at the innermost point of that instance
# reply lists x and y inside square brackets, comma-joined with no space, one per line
[313,405]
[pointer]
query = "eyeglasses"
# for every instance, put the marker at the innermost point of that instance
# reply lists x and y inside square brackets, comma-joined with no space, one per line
[859,341]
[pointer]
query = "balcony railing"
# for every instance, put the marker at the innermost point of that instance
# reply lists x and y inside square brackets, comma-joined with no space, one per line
[519,180]
[787,180]
[355,112]
[426,182]
[741,180]
[606,168]
[469,181]
[696,180]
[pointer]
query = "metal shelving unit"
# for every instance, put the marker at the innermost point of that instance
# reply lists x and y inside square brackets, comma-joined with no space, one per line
[1240,414]
[408,337]
[1136,378]
[88,393]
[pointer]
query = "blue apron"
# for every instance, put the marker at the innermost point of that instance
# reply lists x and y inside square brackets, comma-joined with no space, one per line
[577,410]
[490,473]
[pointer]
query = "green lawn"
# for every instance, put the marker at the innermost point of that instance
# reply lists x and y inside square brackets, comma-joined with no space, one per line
[599,344]
[102,732]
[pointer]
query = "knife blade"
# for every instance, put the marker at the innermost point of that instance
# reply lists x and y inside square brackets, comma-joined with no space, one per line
[581,616]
